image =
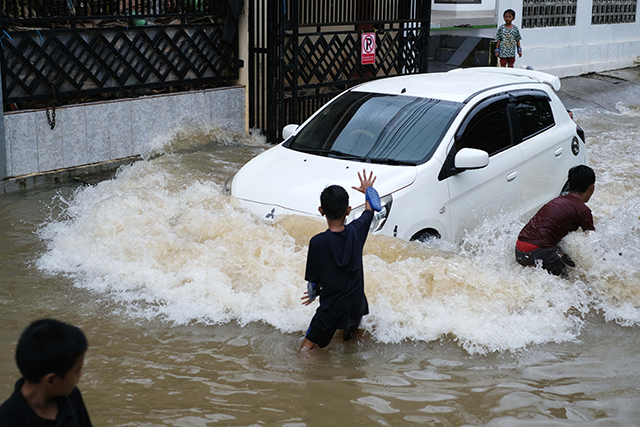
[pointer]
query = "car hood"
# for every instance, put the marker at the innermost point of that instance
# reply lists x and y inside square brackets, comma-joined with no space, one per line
[293,181]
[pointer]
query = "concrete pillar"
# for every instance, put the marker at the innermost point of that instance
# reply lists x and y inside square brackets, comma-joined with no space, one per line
[3,147]
[243,55]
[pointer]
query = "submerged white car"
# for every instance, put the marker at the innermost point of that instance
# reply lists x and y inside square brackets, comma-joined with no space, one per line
[448,150]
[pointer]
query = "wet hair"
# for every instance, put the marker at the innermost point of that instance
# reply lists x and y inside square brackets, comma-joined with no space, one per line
[511,12]
[580,178]
[334,201]
[49,346]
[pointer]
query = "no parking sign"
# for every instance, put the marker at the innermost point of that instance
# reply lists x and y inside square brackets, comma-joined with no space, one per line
[368,50]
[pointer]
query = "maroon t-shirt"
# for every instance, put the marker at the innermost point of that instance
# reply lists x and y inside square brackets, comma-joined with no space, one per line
[555,220]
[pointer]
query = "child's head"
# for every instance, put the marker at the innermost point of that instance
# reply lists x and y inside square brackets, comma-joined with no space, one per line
[510,14]
[334,202]
[49,346]
[580,178]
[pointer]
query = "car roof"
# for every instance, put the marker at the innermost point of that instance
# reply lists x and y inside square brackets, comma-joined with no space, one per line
[457,85]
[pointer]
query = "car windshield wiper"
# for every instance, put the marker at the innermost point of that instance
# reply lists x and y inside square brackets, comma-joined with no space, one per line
[389,161]
[327,153]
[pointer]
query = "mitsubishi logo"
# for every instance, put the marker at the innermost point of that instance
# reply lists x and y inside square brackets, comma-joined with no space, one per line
[271,214]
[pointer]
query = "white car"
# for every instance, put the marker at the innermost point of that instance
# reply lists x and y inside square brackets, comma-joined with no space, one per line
[448,150]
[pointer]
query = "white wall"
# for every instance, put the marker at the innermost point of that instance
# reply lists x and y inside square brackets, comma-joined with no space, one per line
[579,49]
[485,5]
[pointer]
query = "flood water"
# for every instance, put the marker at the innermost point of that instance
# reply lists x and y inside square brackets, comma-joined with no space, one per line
[192,305]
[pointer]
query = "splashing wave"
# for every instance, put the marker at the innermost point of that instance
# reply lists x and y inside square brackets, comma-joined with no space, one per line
[163,240]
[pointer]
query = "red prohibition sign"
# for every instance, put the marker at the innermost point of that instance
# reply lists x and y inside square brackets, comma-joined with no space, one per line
[368,48]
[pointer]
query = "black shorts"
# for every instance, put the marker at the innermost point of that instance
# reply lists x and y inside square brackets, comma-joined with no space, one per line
[323,337]
[552,259]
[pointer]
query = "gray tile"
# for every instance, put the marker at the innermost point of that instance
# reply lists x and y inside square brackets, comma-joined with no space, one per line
[120,129]
[21,132]
[227,108]
[190,109]
[7,145]
[151,119]
[180,106]
[97,117]
[50,148]
[217,107]
[162,116]
[237,99]
[74,136]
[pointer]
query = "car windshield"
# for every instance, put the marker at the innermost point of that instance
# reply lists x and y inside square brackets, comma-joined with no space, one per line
[377,128]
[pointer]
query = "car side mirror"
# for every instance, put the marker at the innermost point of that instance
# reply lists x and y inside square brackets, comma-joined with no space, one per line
[471,158]
[289,130]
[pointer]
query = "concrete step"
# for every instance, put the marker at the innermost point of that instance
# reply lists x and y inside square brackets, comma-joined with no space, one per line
[462,53]
[451,41]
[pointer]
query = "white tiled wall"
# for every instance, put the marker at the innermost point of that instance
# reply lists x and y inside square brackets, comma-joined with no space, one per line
[92,133]
[49,147]
[98,131]
[119,134]
[20,133]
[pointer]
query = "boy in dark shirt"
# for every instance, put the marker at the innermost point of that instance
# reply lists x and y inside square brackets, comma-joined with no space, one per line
[50,355]
[538,239]
[334,266]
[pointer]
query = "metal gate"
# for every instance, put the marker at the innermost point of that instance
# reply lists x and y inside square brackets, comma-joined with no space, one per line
[54,50]
[303,53]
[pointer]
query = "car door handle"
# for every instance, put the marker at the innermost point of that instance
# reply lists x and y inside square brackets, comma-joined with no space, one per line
[558,152]
[512,176]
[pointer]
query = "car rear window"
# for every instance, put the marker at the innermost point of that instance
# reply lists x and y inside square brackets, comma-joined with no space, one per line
[377,128]
[535,115]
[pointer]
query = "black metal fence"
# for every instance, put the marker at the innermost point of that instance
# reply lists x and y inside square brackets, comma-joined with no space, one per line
[304,53]
[67,48]
[74,11]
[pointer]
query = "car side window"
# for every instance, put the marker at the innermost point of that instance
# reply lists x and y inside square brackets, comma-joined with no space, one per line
[534,114]
[488,131]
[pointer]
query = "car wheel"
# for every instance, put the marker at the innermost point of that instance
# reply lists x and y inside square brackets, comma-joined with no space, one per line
[565,189]
[425,235]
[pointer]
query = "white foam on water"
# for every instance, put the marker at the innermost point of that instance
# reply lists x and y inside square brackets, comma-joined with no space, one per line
[192,134]
[162,240]
[608,258]
[608,261]
[182,253]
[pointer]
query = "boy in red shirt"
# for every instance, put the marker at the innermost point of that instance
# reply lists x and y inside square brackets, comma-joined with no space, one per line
[538,239]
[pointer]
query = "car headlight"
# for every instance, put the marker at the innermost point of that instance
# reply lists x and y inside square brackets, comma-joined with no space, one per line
[227,185]
[379,218]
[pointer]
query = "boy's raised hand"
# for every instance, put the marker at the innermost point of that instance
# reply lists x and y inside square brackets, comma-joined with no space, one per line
[364,181]
[305,299]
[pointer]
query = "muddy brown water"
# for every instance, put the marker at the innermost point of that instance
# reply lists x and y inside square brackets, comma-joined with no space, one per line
[191,305]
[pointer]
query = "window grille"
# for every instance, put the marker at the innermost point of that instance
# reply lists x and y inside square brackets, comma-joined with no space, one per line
[548,13]
[613,11]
